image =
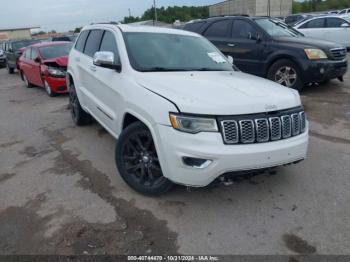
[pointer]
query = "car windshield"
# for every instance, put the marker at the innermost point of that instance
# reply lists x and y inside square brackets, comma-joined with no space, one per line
[54,51]
[277,29]
[155,52]
[21,44]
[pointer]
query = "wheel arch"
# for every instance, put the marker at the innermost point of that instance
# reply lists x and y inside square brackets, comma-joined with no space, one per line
[69,79]
[131,117]
[275,58]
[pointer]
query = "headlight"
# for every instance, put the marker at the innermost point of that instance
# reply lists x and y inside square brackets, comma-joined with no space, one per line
[314,54]
[56,72]
[192,124]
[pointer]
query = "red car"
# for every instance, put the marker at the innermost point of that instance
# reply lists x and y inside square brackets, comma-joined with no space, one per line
[45,65]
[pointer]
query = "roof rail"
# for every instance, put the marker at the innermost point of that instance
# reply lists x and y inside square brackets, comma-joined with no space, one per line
[106,23]
[238,14]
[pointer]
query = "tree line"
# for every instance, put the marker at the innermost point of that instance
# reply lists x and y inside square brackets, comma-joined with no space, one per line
[171,14]
[319,5]
[187,13]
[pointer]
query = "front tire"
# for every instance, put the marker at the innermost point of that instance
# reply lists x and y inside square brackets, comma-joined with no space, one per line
[79,116]
[286,73]
[138,163]
[48,89]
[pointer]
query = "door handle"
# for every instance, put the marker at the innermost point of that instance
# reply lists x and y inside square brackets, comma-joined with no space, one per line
[231,45]
[93,68]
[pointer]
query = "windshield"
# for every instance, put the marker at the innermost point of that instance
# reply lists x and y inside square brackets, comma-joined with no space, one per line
[150,52]
[277,29]
[21,44]
[50,52]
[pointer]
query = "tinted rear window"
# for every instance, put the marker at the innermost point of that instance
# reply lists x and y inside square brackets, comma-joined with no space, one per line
[61,38]
[81,41]
[316,23]
[21,44]
[50,52]
[219,29]
[293,19]
[93,42]
[194,27]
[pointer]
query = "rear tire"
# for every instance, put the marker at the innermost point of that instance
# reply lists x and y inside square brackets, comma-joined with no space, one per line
[138,163]
[26,81]
[286,73]
[79,116]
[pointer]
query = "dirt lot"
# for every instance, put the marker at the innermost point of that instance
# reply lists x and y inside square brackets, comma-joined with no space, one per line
[60,192]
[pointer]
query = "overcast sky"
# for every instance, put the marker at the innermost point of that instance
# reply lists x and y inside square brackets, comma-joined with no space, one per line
[63,15]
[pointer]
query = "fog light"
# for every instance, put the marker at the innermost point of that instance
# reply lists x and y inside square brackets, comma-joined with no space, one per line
[196,162]
[322,70]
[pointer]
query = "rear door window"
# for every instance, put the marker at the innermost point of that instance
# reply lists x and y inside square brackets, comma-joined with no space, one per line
[316,23]
[219,29]
[81,41]
[334,22]
[243,30]
[194,27]
[93,42]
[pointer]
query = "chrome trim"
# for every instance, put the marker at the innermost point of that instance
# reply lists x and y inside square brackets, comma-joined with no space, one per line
[279,127]
[289,134]
[224,131]
[295,130]
[302,117]
[267,130]
[285,126]
[241,131]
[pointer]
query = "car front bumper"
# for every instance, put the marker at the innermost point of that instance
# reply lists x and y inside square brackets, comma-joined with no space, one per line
[173,145]
[319,71]
[58,85]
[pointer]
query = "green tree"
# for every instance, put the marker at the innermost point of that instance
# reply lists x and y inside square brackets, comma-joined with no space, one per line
[319,5]
[171,14]
[77,30]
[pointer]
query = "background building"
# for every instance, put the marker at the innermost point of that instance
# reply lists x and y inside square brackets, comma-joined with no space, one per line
[15,33]
[252,7]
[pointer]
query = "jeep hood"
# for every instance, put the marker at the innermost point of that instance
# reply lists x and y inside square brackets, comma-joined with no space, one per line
[219,93]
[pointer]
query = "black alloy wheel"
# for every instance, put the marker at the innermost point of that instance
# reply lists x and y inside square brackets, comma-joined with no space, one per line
[138,161]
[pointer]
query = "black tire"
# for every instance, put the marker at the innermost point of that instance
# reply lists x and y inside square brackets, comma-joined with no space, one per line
[79,116]
[48,89]
[26,81]
[137,161]
[10,70]
[287,73]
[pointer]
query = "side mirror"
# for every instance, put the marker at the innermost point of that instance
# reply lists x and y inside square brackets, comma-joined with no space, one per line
[37,60]
[230,59]
[106,59]
[344,25]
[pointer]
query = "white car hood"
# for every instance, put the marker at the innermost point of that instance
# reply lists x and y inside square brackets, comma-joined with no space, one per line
[219,93]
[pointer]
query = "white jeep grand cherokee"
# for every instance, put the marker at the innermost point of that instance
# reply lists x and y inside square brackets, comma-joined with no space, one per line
[179,109]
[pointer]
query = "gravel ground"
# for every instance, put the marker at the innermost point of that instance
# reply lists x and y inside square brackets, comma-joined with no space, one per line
[60,192]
